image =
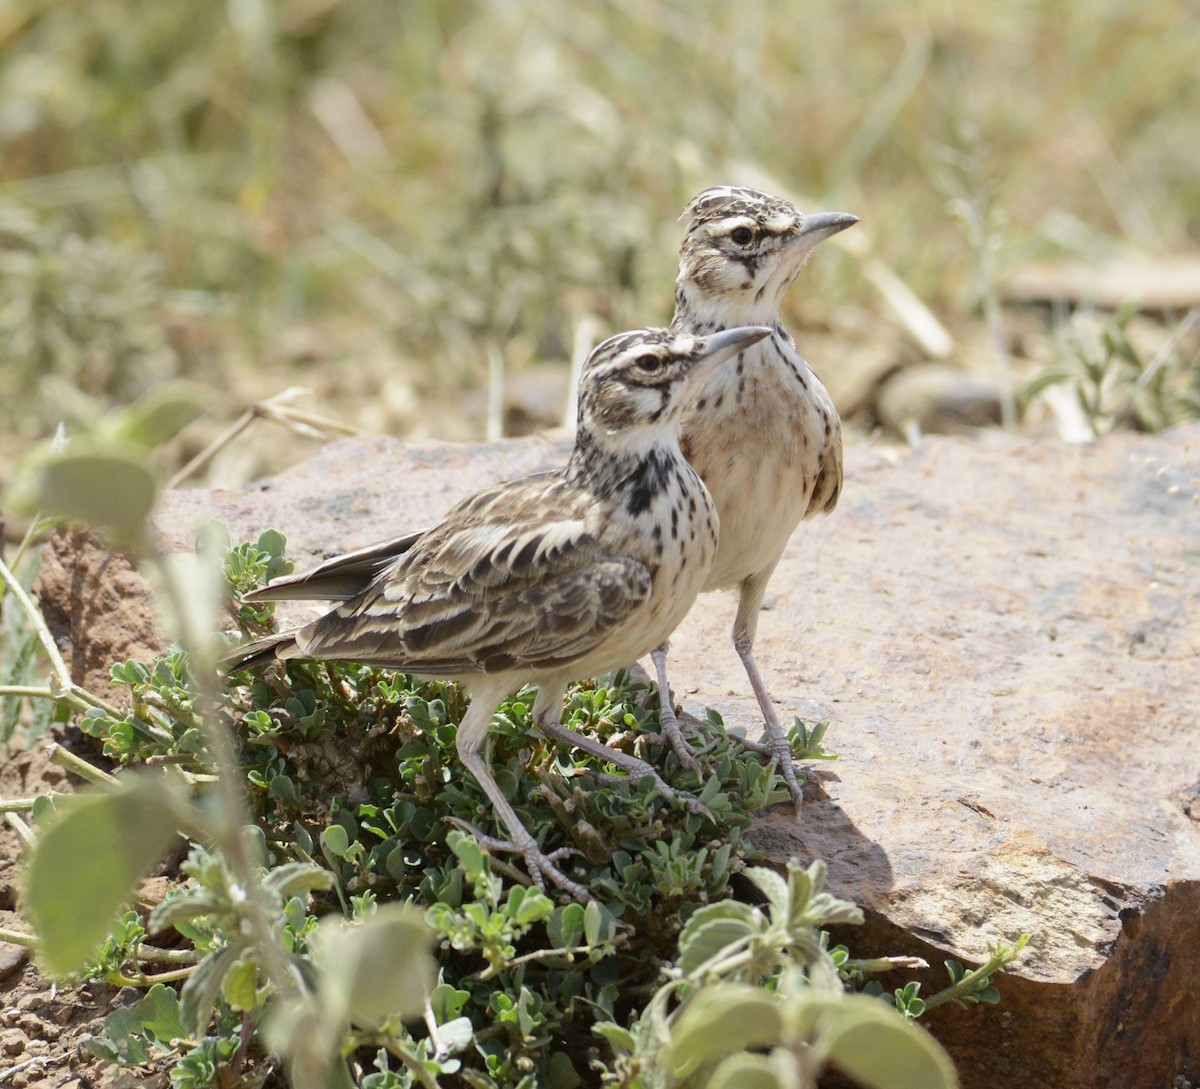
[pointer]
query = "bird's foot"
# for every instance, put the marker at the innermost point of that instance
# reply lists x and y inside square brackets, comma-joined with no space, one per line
[779,749]
[667,721]
[541,865]
[669,726]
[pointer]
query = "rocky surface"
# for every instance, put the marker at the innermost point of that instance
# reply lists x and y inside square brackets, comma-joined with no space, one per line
[1003,636]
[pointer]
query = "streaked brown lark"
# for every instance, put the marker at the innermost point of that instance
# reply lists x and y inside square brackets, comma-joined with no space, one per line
[763,433]
[549,578]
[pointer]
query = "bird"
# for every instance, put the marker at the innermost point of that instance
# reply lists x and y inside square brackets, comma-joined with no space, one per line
[563,574]
[763,434]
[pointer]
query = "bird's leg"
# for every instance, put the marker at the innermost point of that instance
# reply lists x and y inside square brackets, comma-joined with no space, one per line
[668,722]
[549,720]
[745,625]
[469,740]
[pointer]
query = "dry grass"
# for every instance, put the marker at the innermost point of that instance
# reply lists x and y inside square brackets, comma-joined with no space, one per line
[372,198]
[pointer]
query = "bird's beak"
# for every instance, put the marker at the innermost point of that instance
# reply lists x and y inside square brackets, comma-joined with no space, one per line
[818,227]
[717,348]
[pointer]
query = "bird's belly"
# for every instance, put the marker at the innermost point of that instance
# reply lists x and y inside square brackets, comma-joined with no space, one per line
[761,464]
[762,504]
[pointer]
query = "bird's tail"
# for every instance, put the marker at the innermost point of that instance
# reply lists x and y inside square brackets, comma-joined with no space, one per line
[261,652]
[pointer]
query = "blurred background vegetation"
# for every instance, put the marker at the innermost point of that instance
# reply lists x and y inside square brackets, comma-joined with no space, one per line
[380,200]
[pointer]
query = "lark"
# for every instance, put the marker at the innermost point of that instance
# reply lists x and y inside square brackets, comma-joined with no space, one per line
[762,433]
[553,577]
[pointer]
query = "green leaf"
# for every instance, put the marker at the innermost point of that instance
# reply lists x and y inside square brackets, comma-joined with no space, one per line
[565,926]
[875,1046]
[87,862]
[774,888]
[160,414]
[154,1017]
[379,968]
[272,542]
[335,840]
[721,1020]
[102,484]
[562,1072]
[778,1070]
[599,924]
[619,1038]
[293,878]
[199,993]
[239,988]
[708,940]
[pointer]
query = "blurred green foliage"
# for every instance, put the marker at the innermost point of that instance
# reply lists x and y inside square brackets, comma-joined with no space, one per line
[454,175]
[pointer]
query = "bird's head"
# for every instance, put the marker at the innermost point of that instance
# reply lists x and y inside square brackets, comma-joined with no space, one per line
[635,386]
[741,252]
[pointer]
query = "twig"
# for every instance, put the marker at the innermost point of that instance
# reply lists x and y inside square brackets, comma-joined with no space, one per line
[12,1071]
[20,827]
[276,409]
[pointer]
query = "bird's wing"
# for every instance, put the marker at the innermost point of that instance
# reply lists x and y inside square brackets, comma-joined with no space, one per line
[339,578]
[828,486]
[513,579]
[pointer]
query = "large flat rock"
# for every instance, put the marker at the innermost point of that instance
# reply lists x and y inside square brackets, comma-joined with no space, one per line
[1003,636]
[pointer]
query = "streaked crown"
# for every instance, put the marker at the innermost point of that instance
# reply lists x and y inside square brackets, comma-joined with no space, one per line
[741,251]
[641,381]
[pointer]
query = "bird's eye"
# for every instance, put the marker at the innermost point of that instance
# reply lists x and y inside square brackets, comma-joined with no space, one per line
[742,235]
[647,364]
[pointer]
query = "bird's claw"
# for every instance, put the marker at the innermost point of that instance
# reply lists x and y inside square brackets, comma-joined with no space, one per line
[539,863]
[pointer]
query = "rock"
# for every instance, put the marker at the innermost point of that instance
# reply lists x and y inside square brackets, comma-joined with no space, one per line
[1003,637]
[936,398]
[13,958]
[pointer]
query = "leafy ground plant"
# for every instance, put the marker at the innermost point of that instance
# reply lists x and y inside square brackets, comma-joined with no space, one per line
[355,794]
[332,925]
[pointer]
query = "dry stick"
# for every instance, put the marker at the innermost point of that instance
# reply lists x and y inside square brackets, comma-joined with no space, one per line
[275,409]
[581,347]
[495,392]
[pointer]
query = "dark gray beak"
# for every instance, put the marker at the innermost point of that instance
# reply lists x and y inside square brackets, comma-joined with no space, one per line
[716,348]
[820,226]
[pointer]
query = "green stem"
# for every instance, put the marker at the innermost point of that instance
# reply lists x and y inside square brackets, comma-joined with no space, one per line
[884,964]
[20,827]
[227,830]
[151,954]
[16,937]
[978,978]
[39,626]
[23,805]
[62,688]
[144,980]
[67,759]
